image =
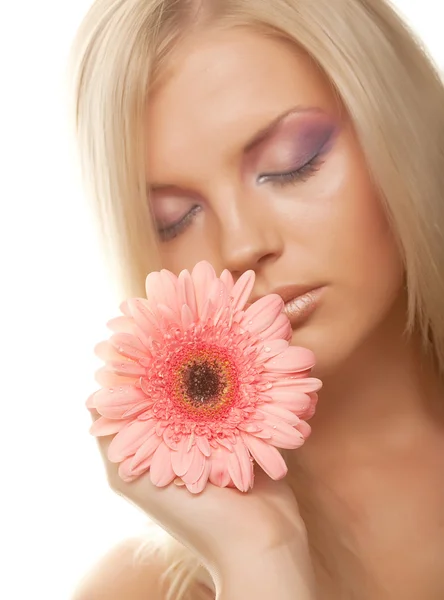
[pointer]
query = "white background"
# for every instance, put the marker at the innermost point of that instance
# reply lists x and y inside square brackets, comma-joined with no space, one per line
[56,513]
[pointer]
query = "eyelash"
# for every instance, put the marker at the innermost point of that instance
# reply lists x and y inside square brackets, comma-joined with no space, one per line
[172,231]
[279,179]
[302,174]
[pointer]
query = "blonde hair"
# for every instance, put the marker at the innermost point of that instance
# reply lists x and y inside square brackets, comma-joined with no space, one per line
[380,71]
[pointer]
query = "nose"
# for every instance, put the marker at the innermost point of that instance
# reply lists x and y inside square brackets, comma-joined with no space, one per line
[249,237]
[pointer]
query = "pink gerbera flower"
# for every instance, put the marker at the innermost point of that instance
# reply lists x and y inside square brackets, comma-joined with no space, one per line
[195,387]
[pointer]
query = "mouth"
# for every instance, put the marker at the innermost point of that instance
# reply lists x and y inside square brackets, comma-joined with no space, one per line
[300,302]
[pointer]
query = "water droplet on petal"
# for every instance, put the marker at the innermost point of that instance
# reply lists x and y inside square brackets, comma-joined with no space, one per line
[267,349]
[250,322]
[111,390]
[274,427]
[268,385]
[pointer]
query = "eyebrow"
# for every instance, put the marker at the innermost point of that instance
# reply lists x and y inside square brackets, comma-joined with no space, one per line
[269,129]
[257,139]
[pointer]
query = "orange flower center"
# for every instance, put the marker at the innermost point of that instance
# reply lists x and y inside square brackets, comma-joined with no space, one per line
[204,379]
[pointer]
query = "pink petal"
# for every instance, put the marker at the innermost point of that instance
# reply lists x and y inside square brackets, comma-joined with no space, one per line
[227,278]
[207,311]
[128,345]
[298,384]
[199,485]
[269,350]
[144,318]
[161,471]
[168,315]
[290,399]
[283,435]
[242,290]
[266,456]
[105,351]
[107,378]
[129,440]
[262,313]
[114,402]
[125,471]
[304,429]
[279,329]
[218,295]
[104,426]
[147,449]
[161,288]
[219,468]
[203,445]
[170,285]
[276,411]
[196,467]
[121,324]
[186,292]
[309,413]
[181,459]
[202,275]
[127,367]
[293,359]
[187,317]
[240,466]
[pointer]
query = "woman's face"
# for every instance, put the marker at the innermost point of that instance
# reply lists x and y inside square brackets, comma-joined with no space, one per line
[253,164]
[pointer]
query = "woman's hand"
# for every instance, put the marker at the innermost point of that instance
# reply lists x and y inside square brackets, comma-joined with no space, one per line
[246,540]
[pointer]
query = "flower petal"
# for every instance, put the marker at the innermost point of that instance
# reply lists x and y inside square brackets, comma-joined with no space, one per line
[261,314]
[290,399]
[269,350]
[161,288]
[126,367]
[298,384]
[113,403]
[266,456]
[107,378]
[104,426]
[129,440]
[283,435]
[187,317]
[276,411]
[203,445]
[105,351]
[227,278]
[279,329]
[219,474]
[121,324]
[147,449]
[304,429]
[181,459]
[196,467]
[242,290]
[199,485]
[202,275]
[161,471]
[186,291]
[144,317]
[128,345]
[291,360]
[240,466]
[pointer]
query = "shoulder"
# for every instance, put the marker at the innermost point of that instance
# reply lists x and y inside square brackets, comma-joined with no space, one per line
[120,574]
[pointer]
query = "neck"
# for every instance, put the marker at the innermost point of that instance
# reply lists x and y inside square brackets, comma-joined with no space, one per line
[388,386]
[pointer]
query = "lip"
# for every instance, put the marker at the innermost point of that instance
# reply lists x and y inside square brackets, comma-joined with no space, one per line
[300,301]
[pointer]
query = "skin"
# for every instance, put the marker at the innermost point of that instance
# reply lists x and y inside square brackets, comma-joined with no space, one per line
[377,442]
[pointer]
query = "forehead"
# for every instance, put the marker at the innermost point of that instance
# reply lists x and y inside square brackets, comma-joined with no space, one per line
[222,85]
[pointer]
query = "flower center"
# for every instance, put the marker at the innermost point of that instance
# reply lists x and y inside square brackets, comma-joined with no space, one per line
[202,381]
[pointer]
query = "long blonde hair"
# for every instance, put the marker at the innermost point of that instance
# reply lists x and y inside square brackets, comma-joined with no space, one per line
[380,71]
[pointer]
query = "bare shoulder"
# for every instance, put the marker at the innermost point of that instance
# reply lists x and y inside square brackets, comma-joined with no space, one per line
[120,574]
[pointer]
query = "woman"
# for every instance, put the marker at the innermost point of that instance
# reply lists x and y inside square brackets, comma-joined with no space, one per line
[303,140]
